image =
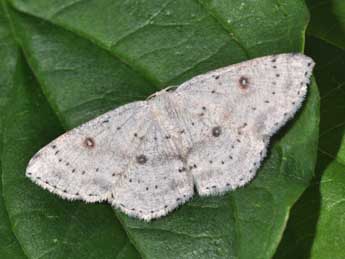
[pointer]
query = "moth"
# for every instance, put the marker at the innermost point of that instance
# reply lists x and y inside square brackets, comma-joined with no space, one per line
[209,134]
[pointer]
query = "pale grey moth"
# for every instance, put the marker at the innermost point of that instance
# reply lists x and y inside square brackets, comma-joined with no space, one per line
[211,133]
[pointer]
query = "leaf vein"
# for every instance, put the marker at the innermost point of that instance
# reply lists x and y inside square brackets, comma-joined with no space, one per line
[232,34]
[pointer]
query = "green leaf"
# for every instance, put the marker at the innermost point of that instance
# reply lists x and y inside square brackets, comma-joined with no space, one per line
[316,226]
[167,41]
[91,56]
[9,247]
[328,21]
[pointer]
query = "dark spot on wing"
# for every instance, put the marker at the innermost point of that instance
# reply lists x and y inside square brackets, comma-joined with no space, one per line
[243,82]
[89,142]
[216,131]
[182,169]
[141,159]
[37,155]
[171,88]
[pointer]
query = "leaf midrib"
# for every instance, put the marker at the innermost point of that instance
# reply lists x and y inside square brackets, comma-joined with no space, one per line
[228,30]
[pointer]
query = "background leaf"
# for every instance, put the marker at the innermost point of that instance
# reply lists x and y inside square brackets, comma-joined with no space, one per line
[168,41]
[91,56]
[328,21]
[9,247]
[316,225]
